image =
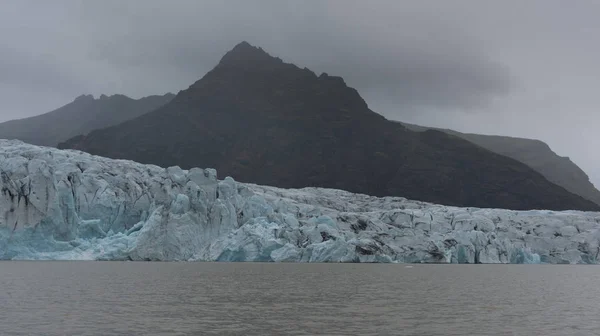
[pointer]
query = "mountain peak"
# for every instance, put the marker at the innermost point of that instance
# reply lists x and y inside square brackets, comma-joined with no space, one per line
[84,97]
[269,122]
[244,54]
[244,45]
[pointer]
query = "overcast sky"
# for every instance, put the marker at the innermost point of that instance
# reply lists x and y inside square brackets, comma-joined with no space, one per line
[524,68]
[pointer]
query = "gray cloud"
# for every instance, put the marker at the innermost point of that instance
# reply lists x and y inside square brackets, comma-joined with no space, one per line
[28,71]
[411,60]
[522,68]
[398,52]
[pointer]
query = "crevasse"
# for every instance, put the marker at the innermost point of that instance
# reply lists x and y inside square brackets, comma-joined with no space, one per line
[69,205]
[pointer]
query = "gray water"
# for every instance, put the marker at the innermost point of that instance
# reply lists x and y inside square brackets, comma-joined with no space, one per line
[127,298]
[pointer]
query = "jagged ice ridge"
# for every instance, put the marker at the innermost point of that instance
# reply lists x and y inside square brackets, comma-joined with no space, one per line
[69,205]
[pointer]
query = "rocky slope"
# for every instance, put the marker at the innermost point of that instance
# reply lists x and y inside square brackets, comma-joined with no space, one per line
[537,155]
[269,122]
[81,116]
[72,205]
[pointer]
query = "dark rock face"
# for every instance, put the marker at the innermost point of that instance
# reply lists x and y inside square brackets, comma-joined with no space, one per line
[537,155]
[81,116]
[264,121]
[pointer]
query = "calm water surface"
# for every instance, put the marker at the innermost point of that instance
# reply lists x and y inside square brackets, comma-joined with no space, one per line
[127,298]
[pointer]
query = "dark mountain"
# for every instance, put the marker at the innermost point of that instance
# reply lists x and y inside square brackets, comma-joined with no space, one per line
[264,121]
[81,116]
[537,155]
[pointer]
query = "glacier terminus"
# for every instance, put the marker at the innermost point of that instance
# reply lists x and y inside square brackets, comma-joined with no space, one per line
[69,205]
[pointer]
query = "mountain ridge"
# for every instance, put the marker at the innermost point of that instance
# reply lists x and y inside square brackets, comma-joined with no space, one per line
[269,122]
[84,114]
[535,153]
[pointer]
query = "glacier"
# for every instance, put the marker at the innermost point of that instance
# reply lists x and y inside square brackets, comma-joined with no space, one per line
[69,205]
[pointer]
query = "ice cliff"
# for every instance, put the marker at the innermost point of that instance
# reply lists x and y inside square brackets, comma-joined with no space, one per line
[71,205]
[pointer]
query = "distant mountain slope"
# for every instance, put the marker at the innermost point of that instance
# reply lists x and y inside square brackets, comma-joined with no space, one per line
[264,121]
[537,155]
[81,116]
